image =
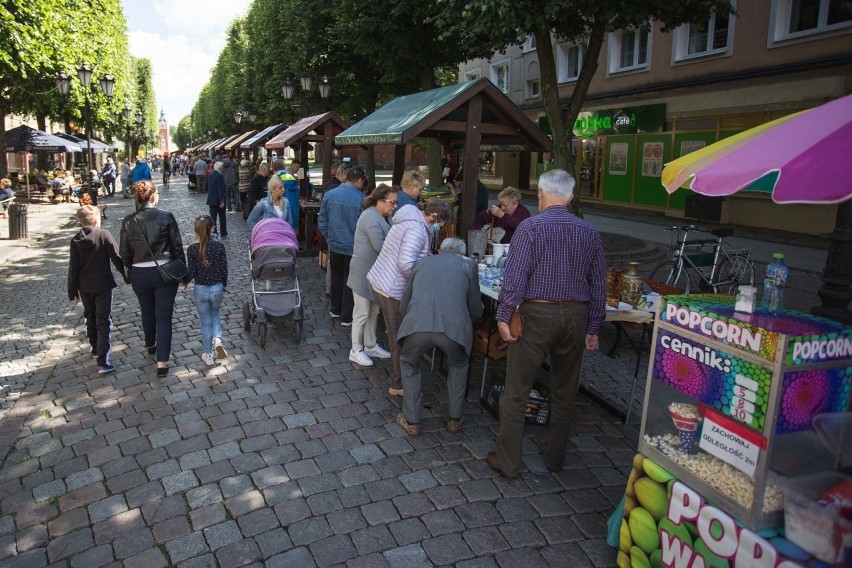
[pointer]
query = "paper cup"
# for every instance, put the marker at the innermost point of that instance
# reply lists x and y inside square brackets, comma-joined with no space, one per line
[686,426]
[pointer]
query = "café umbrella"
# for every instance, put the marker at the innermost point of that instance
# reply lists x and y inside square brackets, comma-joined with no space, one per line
[23,140]
[800,158]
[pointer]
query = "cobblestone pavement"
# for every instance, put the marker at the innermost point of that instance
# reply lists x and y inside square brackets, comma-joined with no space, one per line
[284,456]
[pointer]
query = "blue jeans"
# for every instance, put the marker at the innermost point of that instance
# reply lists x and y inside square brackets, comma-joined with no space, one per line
[208,300]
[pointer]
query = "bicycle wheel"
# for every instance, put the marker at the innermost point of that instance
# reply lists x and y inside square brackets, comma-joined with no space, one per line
[736,270]
[667,273]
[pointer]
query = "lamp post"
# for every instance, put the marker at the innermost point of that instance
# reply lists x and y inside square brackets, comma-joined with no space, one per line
[287,90]
[127,113]
[140,118]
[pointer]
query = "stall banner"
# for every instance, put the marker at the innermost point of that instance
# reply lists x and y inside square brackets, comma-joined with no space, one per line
[810,392]
[811,339]
[666,523]
[719,379]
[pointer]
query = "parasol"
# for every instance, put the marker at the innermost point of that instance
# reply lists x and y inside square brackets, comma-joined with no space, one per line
[799,158]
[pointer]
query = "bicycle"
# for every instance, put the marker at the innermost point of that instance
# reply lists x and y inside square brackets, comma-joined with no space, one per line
[721,269]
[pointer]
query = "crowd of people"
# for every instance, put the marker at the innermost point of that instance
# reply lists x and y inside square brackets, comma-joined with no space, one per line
[383,258]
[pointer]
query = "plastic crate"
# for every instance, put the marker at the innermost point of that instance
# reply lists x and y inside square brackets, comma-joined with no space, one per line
[538,406]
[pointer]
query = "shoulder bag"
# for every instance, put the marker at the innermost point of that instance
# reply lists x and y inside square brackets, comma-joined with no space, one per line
[516,322]
[172,271]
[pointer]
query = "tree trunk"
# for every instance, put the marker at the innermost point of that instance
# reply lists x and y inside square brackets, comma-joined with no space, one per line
[4,164]
[434,150]
[41,155]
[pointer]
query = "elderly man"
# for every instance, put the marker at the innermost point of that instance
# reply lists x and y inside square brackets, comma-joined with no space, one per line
[216,198]
[199,168]
[257,186]
[555,272]
[232,179]
[440,303]
[412,185]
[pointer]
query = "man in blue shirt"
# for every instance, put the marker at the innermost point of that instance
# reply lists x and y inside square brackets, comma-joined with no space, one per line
[338,215]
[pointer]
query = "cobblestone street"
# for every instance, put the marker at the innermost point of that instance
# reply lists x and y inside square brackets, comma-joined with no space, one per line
[283,456]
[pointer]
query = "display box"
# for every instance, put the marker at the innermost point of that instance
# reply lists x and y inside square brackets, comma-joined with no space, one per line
[730,399]
[488,341]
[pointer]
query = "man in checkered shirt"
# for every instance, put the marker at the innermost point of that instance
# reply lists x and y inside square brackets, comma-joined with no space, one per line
[556,273]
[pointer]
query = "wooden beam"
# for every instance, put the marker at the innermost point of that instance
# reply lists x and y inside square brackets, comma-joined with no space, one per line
[304,184]
[398,163]
[524,170]
[327,148]
[473,138]
[487,127]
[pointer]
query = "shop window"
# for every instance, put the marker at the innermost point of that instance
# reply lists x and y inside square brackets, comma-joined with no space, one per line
[793,19]
[710,37]
[472,74]
[569,61]
[629,49]
[500,75]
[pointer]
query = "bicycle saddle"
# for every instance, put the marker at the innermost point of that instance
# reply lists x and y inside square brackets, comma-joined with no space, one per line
[722,233]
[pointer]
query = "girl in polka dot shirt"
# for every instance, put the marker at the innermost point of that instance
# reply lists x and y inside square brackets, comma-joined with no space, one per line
[208,267]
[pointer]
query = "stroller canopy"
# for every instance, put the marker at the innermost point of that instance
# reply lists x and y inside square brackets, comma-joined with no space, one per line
[273,233]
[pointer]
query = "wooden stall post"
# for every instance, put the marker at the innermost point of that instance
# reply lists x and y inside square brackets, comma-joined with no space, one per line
[327,149]
[472,141]
[398,163]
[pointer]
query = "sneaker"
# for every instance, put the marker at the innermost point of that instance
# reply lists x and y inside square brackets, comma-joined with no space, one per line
[377,352]
[360,358]
[103,369]
[334,315]
[346,324]
[219,348]
[208,359]
[412,430]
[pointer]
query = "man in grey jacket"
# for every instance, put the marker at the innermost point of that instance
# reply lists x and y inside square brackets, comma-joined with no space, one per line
[440,303]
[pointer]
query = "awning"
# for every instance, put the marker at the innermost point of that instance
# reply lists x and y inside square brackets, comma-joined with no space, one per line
[220,145]
[206,147]
[98,147]
[262,136]
[442,113]
[234,144]
[25,139]
[301,130]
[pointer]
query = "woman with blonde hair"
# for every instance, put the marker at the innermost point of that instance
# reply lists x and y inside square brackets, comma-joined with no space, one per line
[208,267]
[274,205]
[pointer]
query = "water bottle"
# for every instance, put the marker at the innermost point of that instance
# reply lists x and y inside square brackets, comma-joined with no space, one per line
[773,284]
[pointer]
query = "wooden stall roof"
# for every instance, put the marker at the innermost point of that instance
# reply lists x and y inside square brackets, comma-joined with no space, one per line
[308,129]
[262,136]
[234,143]
[442,114]
[220,145]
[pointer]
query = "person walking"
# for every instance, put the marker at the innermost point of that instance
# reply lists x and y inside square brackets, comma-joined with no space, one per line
[440,304]
[200,170]
[108,177]
[208,268]
[409,240]
[338,216]
[90,281]
[152,231]
[141,171]
[216,198]
[232,186]
[556,275]
[124,176]
[370,233]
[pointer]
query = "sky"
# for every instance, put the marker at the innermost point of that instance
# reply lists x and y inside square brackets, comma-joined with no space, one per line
[183,40]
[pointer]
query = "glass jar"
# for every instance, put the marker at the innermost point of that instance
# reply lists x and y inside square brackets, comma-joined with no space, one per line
[746,299]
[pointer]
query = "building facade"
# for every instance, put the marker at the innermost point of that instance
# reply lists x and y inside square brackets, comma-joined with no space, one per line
[657,96]
[163,141]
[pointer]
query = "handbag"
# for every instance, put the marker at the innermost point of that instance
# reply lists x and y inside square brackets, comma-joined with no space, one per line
[516,322]
[172,271]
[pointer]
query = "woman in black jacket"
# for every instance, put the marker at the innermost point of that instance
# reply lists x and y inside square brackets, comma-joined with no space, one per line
[156,298]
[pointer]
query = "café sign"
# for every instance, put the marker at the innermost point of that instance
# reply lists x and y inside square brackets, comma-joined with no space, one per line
[626,120]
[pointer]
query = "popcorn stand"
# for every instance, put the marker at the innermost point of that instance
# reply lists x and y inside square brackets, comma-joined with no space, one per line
[736,406]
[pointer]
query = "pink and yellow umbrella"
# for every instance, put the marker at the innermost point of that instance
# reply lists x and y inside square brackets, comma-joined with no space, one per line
[804,157]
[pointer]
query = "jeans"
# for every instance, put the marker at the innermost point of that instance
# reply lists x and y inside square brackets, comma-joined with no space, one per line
[208,300]
[341,294]
[559,330]
[413,348]
[156,302]
[216,211]
[232,197]
[125,185]
[365,315]
[97,307]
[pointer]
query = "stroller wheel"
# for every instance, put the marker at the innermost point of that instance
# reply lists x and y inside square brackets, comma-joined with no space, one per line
[246,316]
[297,330]
[262,331]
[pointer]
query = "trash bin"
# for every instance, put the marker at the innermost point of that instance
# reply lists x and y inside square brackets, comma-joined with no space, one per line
[18,221]
[703,208]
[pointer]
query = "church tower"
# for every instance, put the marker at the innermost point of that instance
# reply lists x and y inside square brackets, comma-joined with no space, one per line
[164,142]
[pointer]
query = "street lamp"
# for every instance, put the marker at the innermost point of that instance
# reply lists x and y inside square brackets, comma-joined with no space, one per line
[127,114]
[238,116]
[324,90]
[287,89]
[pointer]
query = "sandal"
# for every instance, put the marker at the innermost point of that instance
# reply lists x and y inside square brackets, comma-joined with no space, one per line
[412,430]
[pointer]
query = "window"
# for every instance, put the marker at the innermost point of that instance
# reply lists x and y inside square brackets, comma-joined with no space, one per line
[792,19]
[629,49]
[529,45]
[533,81]
[569,61]
[472,74]
[710,37]
[533,88]
[500,75]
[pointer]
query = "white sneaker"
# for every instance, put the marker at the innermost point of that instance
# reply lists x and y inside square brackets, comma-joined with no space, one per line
[377,352]
[360,358]
[208,359]
[219,348]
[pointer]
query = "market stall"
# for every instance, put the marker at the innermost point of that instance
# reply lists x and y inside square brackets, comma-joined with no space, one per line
[249,147]
[728,431]
[233,146]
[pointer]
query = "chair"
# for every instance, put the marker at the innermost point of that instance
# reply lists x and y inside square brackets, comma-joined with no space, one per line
[5,203]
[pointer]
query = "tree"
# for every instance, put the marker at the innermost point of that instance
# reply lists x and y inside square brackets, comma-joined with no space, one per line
[584,22]
[181,134]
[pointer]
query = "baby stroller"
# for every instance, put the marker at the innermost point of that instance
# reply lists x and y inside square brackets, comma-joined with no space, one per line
[192,184]
[275,292]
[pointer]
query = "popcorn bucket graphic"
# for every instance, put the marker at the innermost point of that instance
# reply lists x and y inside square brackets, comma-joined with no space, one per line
[687,421]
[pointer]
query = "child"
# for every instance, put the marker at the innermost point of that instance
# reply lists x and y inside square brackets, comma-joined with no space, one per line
[90,280]
[208,266]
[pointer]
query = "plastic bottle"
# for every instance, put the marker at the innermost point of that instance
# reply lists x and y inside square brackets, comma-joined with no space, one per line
[773,284]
